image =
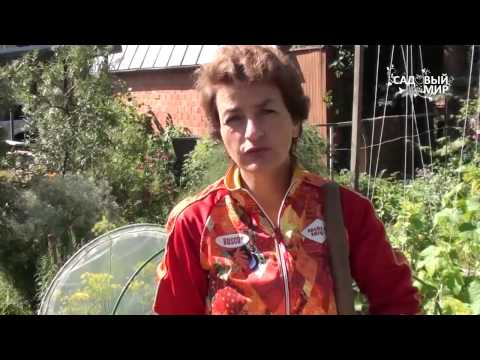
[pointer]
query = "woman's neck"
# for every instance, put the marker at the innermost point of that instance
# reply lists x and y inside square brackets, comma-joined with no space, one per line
[269,188]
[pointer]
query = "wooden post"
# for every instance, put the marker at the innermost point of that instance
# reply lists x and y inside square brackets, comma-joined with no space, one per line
[356,115]
[331,148]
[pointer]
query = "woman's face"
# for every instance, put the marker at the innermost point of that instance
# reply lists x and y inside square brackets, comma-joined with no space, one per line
[255,125]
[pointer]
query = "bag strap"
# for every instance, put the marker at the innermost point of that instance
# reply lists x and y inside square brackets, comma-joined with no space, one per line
[337,243]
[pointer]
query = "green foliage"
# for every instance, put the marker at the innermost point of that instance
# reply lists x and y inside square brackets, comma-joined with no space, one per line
[469,112]
[139,167]
[171,131]
[3,145]
[66,208]
[343,61]
[53,216]
[387,193]
[17,261]
[71,106]
[86,123]
[474,294]
[328,99]
[105,225]
[434,220]
[451,146]
[11,302]
[204,165]
[438,228]
[7,99]
[46,270]
[311,150]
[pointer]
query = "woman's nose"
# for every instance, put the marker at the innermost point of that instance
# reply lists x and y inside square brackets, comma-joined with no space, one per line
[253,131]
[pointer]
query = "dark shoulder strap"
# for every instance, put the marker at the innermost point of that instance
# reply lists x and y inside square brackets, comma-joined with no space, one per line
[337,244]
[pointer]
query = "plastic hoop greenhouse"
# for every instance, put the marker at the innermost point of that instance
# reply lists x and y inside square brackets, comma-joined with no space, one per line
[113,274]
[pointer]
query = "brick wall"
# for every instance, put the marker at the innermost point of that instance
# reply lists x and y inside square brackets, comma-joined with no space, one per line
[169,92]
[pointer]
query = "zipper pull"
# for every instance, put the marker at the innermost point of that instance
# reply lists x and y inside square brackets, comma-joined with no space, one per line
[278,234]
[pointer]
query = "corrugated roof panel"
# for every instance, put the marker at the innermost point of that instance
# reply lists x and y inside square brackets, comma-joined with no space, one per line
[151,56]
[191,56]
[139,56]
[128,57]
[207,54]
[116,59]
[177,55]
[164,55]
[136,57]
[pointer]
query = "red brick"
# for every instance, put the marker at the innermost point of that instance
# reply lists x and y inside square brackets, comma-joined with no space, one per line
[169,92]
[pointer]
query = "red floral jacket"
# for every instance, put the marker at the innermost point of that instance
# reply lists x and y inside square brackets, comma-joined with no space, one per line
[225,256]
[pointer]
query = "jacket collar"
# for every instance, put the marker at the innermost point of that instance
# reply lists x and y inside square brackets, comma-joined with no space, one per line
[233,181]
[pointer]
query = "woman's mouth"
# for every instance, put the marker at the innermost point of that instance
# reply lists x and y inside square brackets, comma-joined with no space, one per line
[256,150]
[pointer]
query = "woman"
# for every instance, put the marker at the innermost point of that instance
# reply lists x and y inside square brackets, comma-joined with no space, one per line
[254,241]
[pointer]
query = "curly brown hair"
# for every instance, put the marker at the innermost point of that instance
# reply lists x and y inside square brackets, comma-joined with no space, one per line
[251,63]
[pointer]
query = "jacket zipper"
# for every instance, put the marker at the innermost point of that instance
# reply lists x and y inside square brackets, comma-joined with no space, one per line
[279,246]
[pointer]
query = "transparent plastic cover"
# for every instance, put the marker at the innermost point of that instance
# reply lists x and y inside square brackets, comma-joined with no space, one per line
[92,280]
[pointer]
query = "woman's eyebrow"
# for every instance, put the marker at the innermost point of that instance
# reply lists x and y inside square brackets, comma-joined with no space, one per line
[265,102]
[233,109]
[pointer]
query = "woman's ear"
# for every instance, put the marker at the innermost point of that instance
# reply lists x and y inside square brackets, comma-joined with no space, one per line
[297,129]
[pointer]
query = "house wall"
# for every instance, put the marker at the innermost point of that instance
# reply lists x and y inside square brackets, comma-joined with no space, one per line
[313,65]
[169,92]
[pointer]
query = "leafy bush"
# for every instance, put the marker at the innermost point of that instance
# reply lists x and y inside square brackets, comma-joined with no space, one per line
[11,302]
[438,228]
[6,92]
[451,146]
[86,122]
[46,268]
[139,167]
[311,150]
[17,260]
[52,217]
[70,102]
[204,165]
[387,193]
[434,220]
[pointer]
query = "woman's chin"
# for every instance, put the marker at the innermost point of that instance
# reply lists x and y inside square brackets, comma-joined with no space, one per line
[258,167]
[261,164]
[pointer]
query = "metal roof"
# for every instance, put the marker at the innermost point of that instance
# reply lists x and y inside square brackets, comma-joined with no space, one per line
[16,51]
[304,47]
[148,57]
[12,52]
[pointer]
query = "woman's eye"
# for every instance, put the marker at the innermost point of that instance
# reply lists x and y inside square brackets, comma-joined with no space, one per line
[268,111]
[233,118]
